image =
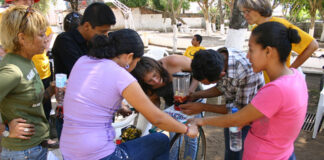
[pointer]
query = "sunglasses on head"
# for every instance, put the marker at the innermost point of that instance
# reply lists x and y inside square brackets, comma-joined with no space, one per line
[23,23]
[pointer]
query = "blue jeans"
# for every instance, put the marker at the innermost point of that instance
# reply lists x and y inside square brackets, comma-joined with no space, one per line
[292,157]
[59,127]
[34,153]
[190,146]
[230,155]
[154,146]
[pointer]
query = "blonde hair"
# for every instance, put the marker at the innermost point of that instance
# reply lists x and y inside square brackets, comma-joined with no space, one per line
[262,6]
[14,21]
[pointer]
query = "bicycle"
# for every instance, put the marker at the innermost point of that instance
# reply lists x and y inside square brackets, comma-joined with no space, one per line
[178,137]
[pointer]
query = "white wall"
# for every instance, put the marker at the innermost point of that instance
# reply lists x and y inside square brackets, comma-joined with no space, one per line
[152,21]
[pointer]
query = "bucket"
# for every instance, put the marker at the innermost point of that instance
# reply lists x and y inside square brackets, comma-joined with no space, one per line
[121,122]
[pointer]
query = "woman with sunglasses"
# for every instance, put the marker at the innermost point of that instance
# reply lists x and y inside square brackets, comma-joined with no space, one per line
[260,11]
[22,33]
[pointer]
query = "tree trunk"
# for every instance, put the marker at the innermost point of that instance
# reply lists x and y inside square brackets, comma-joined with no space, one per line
[238,29]
[175,39]
[213,27]
[322,35]
[208,27]
[312,25]
[221,17]
[74,5]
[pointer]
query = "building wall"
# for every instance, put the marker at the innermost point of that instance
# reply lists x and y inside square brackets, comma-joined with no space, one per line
[153,21]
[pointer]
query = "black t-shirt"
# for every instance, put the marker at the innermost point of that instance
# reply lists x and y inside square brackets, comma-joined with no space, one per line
[67,49]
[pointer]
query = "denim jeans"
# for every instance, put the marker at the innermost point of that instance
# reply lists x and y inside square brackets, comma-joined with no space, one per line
[34,153]
[230,155]
[154,146]
[59,127]
[292,157]
[190,146]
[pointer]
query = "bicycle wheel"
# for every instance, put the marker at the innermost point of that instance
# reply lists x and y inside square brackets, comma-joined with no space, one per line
[201,145]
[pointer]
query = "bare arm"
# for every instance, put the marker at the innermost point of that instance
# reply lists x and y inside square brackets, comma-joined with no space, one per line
[312,47]
[195,108]
[243,117]
[137,98]
[208,93]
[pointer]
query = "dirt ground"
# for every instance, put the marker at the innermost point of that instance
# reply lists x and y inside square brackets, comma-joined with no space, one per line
[306,148]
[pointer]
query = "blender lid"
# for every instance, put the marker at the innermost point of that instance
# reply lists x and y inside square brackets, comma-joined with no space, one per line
[181,74]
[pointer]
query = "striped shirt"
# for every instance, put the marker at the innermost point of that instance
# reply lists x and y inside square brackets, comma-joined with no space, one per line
[240,84]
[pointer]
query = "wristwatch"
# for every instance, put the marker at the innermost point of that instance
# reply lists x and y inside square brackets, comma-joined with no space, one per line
[6,132]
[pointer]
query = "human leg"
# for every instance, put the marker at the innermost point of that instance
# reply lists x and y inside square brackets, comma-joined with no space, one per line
[154,146]
[174,151]
[292,157]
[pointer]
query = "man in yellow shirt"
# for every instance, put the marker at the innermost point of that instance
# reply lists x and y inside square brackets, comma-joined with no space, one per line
[191,50]
[260,11]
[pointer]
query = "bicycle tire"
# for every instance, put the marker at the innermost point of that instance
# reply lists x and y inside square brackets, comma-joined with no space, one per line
[202,137]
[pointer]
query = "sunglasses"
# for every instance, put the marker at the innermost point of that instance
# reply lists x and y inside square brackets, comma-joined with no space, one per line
[24,22]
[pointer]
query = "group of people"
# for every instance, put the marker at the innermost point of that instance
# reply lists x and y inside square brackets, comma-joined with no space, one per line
[105,68]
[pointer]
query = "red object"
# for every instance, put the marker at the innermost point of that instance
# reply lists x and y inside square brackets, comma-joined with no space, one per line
[180,99]
[177,108]
[118,141]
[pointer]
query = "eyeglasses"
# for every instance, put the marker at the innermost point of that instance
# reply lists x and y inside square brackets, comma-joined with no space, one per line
[244,12]
[23,24]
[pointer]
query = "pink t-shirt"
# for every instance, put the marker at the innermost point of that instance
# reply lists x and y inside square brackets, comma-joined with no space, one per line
[283,103]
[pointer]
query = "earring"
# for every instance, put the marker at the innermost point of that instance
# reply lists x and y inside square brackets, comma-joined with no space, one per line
[127,66]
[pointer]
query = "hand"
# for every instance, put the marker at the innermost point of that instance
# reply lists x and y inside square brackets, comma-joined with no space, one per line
[191,97]
[195,121]
[124,110]
[192,130]
[191,108]
[18,128]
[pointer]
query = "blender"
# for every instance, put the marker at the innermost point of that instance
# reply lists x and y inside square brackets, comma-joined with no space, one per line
[180,82]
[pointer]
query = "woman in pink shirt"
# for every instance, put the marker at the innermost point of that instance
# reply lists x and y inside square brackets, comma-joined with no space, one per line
[278,110]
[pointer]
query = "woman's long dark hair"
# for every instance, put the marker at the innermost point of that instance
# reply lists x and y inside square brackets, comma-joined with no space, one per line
[146,65]
[117,43]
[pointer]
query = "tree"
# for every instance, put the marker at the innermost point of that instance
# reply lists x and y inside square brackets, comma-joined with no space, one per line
[321,10]
[237,29]
[314,5]
[205,6]
[134,3]
[221,16]
[43,6]
[172,10]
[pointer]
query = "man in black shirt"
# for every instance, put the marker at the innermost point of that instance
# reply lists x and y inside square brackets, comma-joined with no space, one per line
[70,46]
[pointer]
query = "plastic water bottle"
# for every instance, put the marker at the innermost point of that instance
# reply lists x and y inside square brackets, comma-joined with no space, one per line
[60,80]
[235,136]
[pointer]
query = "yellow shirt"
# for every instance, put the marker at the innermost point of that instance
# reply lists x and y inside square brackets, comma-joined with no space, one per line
[299,48]
[41,61]
[190,51]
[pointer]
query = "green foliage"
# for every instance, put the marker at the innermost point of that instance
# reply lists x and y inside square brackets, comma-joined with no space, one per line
[162,4]
[159,4]
[43,6]
[1,2]
[134,3]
